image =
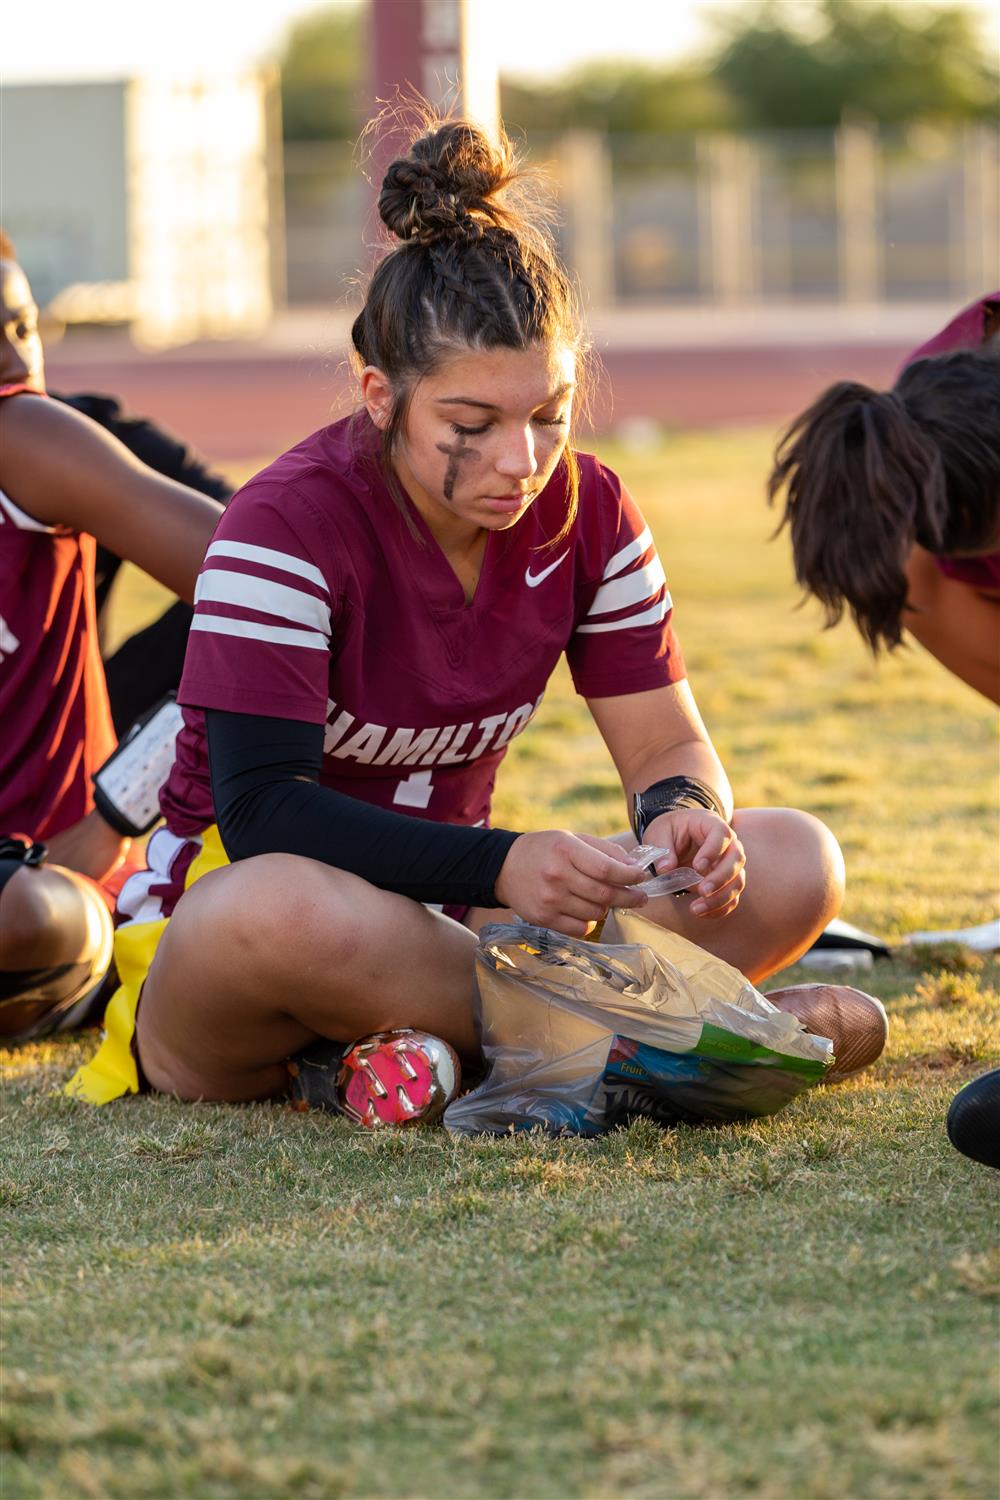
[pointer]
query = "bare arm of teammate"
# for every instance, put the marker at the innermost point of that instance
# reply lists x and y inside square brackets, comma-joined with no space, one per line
[62,469]
[957,624]
[660,733]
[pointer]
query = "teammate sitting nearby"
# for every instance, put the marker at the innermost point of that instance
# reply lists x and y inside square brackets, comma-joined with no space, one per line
[893,500]
[377,618]
[64,482]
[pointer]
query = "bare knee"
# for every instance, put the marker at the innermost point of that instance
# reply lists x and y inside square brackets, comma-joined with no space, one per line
[49,917]
[271,906]
[795,886]
[806,870]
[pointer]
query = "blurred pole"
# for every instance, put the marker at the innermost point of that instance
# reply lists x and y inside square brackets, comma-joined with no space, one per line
[857,152]
[478,76]
[437,50]
[980,228]
[274,158]
[727,230]
[585,172]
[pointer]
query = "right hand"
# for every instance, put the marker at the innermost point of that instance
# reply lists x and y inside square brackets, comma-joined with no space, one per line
[567,881]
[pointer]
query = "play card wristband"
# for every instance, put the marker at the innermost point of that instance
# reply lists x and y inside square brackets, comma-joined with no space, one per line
[127,786]
[673,792]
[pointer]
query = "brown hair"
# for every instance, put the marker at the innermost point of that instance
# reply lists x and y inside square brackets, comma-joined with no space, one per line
[7,251]
[868,473]
[475,268]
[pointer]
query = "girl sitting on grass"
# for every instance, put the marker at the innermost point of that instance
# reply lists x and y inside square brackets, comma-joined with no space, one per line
[377,617]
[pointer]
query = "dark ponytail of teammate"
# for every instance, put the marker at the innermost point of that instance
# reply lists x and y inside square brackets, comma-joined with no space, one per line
[867,474]
[475,269]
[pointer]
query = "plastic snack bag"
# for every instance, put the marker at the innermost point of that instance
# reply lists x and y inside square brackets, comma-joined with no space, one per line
[582,1037]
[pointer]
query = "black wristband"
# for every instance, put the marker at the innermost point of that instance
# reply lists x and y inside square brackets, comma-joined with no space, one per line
[664,796]
[114,819]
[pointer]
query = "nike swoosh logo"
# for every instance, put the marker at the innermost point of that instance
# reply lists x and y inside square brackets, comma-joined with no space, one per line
[534,579]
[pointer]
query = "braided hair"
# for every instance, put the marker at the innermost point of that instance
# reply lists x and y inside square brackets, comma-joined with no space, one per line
[867,474]
[472,270]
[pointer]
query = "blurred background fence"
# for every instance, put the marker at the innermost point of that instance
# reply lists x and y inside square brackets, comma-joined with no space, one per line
[861,213]
[832,154]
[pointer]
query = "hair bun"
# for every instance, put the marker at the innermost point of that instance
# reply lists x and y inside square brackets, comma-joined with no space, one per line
[444,187]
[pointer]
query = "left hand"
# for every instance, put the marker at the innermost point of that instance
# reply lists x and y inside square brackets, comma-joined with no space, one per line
[697,837]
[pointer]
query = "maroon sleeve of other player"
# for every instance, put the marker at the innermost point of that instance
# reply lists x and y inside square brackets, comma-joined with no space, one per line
[966,330]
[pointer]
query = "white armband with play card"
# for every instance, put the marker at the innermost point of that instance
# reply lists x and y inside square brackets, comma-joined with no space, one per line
[127,786]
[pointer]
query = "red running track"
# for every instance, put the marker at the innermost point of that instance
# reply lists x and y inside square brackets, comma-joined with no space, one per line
[250,406]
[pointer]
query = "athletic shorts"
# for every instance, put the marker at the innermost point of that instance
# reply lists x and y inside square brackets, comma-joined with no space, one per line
[145,905]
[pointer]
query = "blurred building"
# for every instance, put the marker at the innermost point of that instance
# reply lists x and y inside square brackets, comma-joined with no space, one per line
[176,209]
[152,203]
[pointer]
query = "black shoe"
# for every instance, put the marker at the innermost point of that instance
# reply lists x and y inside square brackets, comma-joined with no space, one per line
[974,1120]
[314,1073]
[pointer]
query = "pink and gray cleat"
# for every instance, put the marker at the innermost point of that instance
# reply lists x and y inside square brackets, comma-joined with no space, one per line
[389,1078]
[398,1078]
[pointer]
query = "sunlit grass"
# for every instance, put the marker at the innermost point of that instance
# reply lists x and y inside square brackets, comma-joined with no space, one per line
[244,1302]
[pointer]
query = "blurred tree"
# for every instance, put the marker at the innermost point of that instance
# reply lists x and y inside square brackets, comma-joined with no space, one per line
[885,60]
[323,78]
[779,63]
[783,64]
[617,96]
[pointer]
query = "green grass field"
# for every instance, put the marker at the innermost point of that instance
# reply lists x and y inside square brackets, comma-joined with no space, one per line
[243,1302]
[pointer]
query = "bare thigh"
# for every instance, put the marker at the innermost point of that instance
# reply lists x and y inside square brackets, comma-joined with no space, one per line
[49,916]
[262,957]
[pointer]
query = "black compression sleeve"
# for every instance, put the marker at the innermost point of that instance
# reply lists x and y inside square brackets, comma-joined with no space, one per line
[265,787]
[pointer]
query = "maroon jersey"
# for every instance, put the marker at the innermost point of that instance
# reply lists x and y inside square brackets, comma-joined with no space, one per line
[54,712]
[320,600]
[967,330]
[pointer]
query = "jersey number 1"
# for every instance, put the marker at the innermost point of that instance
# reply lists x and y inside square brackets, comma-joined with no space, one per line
[415,791]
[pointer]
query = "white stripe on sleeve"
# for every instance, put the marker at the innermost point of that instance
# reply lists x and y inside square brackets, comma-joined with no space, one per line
[631,589]
[269,557]
[220,586]
[628,554]
[648,617]
[252,630]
